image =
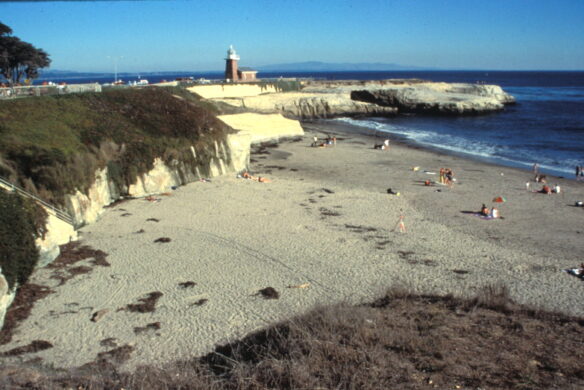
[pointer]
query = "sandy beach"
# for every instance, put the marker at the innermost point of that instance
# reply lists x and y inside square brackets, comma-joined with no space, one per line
[326,223]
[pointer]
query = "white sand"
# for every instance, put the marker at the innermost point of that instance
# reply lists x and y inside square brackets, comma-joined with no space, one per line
[233,237]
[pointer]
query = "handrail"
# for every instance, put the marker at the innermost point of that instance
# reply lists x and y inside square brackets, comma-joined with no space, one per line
[61,214]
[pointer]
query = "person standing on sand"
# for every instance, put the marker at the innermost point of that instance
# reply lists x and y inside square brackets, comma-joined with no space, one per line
[535,168]
[578,172]
[401,226]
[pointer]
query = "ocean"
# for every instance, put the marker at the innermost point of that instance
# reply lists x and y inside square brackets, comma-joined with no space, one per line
[545,126]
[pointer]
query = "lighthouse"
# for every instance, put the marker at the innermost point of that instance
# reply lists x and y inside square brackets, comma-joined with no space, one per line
[231,65]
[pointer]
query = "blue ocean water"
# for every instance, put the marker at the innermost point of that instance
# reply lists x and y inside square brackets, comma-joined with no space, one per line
[545,126]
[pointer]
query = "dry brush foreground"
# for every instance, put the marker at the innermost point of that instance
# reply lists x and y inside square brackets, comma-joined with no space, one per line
[401,341]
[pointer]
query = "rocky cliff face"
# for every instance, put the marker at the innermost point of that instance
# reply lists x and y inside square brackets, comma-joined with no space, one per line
[381,98]
[438,98]
[232,155]
[310,105]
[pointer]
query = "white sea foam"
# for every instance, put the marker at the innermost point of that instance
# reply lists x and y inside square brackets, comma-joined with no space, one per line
[502,154]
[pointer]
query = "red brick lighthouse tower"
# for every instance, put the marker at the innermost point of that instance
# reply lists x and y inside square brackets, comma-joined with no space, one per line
[231,65]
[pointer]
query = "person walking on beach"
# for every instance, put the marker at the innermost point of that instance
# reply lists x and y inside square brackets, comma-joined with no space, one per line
[578,168]
[400,226]
[535,168]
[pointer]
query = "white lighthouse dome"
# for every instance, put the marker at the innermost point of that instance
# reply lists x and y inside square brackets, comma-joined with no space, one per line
[231,54]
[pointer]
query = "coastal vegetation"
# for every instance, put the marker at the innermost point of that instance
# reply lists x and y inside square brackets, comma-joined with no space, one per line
[53,145]
[19,59]
[402,340]
[21,222]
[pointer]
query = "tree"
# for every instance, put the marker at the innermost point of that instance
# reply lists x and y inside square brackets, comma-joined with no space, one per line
[18,58]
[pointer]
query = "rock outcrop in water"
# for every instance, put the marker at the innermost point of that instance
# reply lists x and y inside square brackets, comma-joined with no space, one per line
[438,98]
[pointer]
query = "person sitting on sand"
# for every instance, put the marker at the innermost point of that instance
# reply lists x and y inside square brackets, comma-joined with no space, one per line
[546,189]
[484,211]
[494,213]
[428,183]
[556,189]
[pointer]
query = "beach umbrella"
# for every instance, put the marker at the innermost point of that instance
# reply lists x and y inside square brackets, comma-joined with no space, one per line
[499,199]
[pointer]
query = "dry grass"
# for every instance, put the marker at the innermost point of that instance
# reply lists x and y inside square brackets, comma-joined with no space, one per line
[401,341]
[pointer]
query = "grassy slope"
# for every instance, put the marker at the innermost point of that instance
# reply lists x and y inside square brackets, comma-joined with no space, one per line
[53,145]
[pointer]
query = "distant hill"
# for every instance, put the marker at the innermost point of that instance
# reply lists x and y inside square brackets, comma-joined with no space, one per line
[317,66]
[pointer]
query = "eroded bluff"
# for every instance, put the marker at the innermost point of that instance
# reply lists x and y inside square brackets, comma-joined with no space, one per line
[438,98]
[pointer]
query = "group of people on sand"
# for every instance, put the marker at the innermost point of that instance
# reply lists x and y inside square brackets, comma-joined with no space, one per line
[492,213]
[549,190]
[539,178]
[447,176]
[330,140]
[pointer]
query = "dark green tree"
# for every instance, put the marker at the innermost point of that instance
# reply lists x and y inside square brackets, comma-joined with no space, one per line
[19,59]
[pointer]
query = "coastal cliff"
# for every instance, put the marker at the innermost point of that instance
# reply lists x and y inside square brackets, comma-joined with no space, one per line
[438,98]
[230,154]
[299,105]
[367,98]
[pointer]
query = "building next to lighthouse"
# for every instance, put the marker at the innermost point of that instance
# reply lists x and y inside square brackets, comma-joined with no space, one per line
[235,74]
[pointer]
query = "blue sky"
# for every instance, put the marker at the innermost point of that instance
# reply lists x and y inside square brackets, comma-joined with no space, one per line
[169,35]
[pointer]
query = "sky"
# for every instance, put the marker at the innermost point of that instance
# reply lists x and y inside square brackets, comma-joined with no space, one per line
[168,35]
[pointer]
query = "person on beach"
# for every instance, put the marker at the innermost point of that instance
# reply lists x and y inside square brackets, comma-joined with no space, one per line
[535,168]
[527,186]
[494,213]
[578,172]
[484,211]
[400,226]
[441,175]
[385,145]
[556,189]
[449,175]
[546,189]
[314,141]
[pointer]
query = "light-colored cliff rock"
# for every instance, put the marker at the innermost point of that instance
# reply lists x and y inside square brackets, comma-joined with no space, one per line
[437,98]
[309,105]
[232,155]
[370,98]
[58,232]
[263,127]
[6,298]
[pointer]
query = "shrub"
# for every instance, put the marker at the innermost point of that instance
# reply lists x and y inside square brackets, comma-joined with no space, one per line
[20,223]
